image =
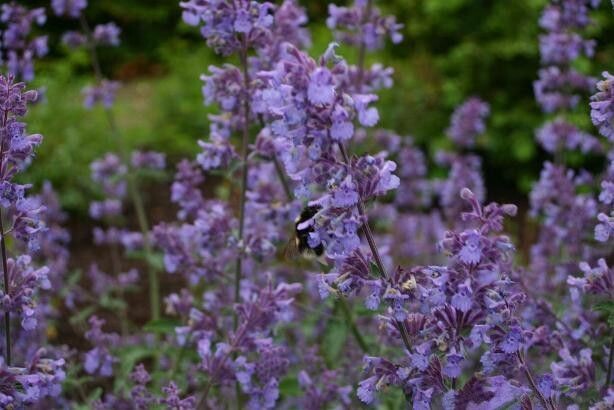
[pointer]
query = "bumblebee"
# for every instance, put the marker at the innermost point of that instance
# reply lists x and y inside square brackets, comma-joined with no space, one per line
[300,243]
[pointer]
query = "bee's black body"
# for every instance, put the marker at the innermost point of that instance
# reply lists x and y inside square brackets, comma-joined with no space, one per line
[302,235]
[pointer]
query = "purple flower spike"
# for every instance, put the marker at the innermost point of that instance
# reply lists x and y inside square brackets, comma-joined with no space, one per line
[602,106]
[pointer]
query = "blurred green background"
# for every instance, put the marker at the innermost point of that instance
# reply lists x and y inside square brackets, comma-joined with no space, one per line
[452,49]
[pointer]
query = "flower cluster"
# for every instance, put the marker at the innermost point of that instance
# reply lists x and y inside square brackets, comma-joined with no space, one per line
[226,24]
[99,360]
[28,386]
[469,305]
[17,49]
[362,23]
[556,198]
[24,280]
[424,287]
[468,122]
[602,106]
[104,91]
[70,8]
[559,84]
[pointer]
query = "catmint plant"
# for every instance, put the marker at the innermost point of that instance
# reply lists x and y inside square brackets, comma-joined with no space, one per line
[104,92]
[18,47]
[313,260]
[567,208]
[33,376]
[555,197]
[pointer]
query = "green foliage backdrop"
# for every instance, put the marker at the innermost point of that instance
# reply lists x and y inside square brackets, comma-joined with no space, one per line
[452,49]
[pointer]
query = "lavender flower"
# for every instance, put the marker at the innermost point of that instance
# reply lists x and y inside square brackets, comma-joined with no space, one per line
[325,390]
[99,360]
[103,93]
[450,297]
[143,399]
[28,386]
[22,295]
[148,160]
[602,106]
[16,155]
[73,39]
[557,88]
[172,399]
[574,372]
[107,34]
[185,190]
[221,29]
[362,24]
[18,49]
[459,323]
[465,172]
[559,134]
[468,122]
[24,280]
[561,48]
[70,8]
[110,172]
[598,280]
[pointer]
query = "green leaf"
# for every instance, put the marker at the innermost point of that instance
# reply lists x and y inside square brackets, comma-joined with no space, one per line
[606,307]
[163,326]
[333,342]
[82,315]
[153,259]
[128,358]
[95,394]
[374,270]
[289,386]
[111,303]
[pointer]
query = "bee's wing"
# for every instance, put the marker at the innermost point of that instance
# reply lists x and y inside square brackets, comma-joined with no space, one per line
[290,250]
[322,261]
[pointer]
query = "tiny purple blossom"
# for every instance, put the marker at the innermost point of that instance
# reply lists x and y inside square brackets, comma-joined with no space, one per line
[70,8]
[321,88]
[107,34]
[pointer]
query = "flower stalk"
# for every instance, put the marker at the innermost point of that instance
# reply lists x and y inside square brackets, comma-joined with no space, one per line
[7,315]
[5,270]
[366,229]
[608,378]
[133,187]
[244,172]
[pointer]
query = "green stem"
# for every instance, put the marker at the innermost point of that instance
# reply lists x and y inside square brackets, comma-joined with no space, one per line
[7,314]
[284,182]
[244,172]
[608,377]
[532,384]
[133,188]
[362,51]
[243,200]
[345,308]
[180,355]
[366,229]
[349,319]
